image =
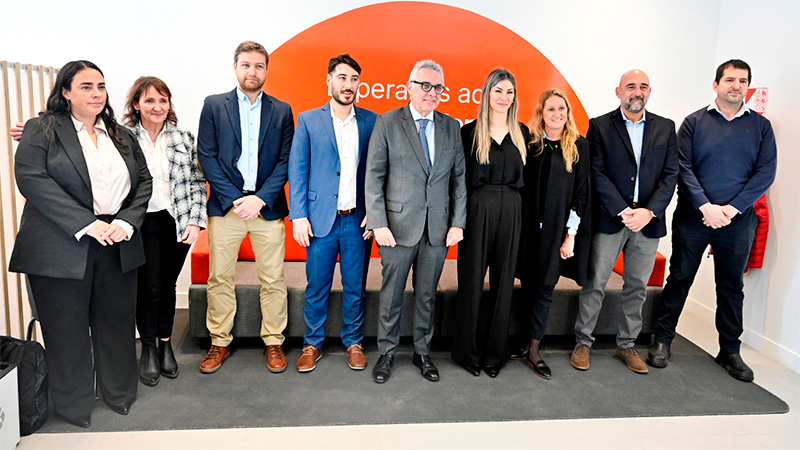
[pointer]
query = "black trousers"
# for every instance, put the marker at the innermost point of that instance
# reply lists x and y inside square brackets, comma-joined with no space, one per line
[88,328]
[731,245]
[155,302]
[491,240]
[541,299]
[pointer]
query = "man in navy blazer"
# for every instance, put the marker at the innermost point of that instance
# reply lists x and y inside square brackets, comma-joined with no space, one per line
[243,146]
[634,172]
[326,189]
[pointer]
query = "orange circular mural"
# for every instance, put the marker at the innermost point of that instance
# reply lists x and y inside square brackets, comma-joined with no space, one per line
[388,39]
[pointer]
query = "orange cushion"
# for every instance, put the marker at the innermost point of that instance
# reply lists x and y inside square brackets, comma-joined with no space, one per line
[659,269]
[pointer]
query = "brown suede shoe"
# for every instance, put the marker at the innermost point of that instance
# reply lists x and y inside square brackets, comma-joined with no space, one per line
[632,359]
[276,360]
[308,360]
[356,358]
[213,360]
[580,356]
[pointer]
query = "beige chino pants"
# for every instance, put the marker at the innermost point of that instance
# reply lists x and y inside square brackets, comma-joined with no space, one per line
[225,235]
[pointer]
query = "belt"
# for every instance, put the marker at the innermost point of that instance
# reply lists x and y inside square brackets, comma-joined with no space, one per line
[249,192]
[345,212]
[634,205]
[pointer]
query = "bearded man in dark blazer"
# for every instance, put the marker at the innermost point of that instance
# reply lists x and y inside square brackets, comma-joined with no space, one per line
[634,174]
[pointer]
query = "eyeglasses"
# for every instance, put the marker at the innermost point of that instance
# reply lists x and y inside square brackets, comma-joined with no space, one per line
[426,87]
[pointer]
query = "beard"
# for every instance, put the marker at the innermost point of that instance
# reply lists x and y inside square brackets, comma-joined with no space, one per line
[339,100]
[630,106]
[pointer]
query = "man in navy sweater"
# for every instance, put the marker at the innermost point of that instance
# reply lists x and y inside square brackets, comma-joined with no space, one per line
[728,160]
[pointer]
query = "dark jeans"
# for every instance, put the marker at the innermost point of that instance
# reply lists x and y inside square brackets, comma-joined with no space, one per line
[155,302]
[731,247]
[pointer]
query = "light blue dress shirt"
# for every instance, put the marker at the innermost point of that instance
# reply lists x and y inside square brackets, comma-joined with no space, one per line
[636,134]
[428,129]
[250,120]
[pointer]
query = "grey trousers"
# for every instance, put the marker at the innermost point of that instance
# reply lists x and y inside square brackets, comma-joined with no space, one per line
[639,253]
[396,262]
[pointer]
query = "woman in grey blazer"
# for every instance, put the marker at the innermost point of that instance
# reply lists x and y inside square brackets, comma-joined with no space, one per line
[175,214]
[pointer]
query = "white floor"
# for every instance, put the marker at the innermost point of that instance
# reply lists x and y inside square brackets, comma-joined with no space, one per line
[777,431]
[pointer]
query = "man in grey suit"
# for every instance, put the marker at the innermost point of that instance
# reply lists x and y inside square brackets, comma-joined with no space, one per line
[416,208]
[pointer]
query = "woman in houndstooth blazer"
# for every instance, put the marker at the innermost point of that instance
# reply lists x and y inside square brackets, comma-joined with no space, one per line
[175,214]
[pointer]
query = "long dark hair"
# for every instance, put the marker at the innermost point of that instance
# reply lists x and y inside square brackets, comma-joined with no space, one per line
[131,116]
[57,105]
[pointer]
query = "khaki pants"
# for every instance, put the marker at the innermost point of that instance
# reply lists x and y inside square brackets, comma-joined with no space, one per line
[225,235]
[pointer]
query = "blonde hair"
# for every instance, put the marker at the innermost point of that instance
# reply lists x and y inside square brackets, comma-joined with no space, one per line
[569,136]
[482,141]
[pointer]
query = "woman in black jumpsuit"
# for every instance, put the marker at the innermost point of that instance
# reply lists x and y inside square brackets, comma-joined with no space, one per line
[495,155]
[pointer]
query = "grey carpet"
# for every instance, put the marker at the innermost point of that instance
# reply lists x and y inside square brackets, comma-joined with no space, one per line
[244,394]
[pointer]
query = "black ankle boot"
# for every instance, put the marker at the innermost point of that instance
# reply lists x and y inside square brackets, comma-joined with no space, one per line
[149,371]
[169,367]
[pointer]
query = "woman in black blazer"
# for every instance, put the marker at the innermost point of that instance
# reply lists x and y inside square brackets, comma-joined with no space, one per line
[556,227]
[87,185]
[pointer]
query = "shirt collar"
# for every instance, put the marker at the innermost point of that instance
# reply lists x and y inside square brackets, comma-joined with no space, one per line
[742,111]
[416,115]
[141,129]
[629,121]
[243,97]
[98,124]
[349,117]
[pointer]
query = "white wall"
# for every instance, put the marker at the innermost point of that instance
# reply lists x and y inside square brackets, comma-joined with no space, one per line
[678,43]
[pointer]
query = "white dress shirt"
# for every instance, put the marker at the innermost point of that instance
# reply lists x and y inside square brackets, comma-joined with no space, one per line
[347,142]
[158,164]
[108,174]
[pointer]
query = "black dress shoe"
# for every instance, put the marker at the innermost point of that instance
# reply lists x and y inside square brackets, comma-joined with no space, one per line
[149,371]
[491,371]
[78,422]
[658,355]
[120,408]
[519,354]
[426,367]
[733,363]
[540,367]
[474,370]
[166,359]
[383,369]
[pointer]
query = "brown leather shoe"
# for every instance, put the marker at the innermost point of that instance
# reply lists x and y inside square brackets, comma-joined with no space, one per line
[308,360]
[580,356]
[632,359]
[276,360]
[213,360]
[356,358]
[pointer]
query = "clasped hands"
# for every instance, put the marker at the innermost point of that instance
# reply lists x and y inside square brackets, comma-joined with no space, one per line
[717,216]
[107,233]
[636,218]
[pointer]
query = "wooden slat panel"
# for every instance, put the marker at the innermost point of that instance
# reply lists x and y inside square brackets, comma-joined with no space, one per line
[6,296]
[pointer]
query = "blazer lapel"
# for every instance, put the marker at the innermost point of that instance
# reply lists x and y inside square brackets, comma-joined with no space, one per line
[438,138]
[327,124]
[619,124]
[648,136]
[413,136]
[266,115]
[232,106]
[362,133]
[65,130]
[130,163]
